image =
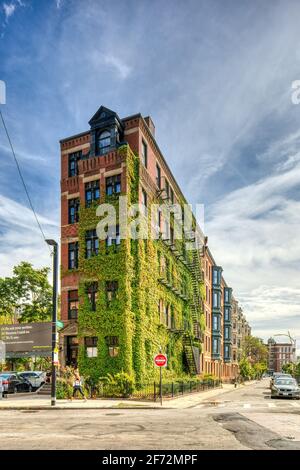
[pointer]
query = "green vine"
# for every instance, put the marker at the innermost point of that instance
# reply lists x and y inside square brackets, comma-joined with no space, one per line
[133,315]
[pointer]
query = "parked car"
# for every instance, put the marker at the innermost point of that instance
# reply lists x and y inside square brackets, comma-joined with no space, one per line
[285,387]
[12,383]
[277,375]
[36,379]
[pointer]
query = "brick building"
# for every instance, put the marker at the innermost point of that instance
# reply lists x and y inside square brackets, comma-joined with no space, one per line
[280,353]
[122,299]
[219,355]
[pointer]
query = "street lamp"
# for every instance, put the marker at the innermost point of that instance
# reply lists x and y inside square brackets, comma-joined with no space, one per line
[53,243]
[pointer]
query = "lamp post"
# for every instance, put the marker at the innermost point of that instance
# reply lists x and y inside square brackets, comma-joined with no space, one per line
[53,243]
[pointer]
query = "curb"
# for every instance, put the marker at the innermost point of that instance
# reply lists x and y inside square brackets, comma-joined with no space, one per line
[50,408]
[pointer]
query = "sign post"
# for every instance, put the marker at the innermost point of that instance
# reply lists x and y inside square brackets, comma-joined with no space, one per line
[54,245]
[160,361]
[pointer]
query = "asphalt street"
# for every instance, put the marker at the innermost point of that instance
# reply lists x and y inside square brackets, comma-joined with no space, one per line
[245,418]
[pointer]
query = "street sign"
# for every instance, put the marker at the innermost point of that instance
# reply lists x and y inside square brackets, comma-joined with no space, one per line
[160,360]
[55,357]
[59,324]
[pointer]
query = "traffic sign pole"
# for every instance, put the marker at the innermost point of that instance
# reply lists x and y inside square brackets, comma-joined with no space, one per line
[160,385]
[160,361]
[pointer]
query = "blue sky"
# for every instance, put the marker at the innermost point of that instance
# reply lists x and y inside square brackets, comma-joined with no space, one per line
[216,78]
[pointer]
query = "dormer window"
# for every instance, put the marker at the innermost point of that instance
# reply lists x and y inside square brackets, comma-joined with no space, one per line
[107,130]
[104,142]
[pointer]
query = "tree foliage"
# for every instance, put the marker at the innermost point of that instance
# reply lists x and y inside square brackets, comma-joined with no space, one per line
[255,350]
[289,368]
[297,369]
[26,296]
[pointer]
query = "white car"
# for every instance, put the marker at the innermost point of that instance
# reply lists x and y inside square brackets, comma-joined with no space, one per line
[36,378]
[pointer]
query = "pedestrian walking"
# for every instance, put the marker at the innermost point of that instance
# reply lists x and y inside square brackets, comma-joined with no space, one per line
[77,385]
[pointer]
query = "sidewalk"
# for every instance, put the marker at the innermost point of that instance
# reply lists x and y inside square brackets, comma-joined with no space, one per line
[36,402]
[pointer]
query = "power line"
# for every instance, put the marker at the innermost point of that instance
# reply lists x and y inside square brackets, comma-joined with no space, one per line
[21,176]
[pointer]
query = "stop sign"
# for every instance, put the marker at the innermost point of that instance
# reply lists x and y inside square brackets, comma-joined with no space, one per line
[160,360]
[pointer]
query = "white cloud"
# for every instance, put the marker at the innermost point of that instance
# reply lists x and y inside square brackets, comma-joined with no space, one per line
[58,4]
[9,10]
[25,155]
[254,234]
[20,237]
[123,69]
[98,59]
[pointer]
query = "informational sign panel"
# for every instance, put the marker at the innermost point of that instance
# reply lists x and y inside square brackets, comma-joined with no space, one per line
[22,339]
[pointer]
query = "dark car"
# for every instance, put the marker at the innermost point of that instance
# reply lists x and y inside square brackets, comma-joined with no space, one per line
[12,383]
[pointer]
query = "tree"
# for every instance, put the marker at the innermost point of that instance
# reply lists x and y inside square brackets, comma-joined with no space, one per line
[245,368]
[258,369]
[27,295]
[255,350]
[297,370]
[289,368]
[8,300]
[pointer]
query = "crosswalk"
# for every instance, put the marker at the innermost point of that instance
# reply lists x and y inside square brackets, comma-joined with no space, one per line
[250,406]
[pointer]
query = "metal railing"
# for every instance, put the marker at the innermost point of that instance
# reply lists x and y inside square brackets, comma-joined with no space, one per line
[151,391]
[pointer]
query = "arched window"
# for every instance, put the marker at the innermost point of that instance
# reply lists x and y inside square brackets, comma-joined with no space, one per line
[104,142]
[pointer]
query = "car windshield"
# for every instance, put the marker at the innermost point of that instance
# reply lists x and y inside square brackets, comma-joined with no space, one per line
[28,374]
[285,382]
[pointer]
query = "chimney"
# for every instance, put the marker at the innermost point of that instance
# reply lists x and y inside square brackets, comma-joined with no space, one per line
[150,124]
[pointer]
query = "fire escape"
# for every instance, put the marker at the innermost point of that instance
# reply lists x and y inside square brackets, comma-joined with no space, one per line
[192,352]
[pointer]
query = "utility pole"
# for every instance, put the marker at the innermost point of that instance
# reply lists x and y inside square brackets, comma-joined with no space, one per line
[53,243]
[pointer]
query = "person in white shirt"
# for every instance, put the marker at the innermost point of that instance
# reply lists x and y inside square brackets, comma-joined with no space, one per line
[77,385]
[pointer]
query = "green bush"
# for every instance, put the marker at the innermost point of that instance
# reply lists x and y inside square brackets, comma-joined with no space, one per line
[63,389]
[119,385]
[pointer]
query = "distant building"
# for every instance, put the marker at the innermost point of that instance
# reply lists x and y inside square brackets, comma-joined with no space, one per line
[226,325]
[280,354]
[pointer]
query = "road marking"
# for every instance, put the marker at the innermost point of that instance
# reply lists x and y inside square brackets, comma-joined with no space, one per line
[247,405]
[271,405]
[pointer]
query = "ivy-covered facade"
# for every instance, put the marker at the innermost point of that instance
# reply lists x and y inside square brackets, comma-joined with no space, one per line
[123,299]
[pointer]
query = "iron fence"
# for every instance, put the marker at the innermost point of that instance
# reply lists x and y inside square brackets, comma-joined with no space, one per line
[151,391]
[175,389]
